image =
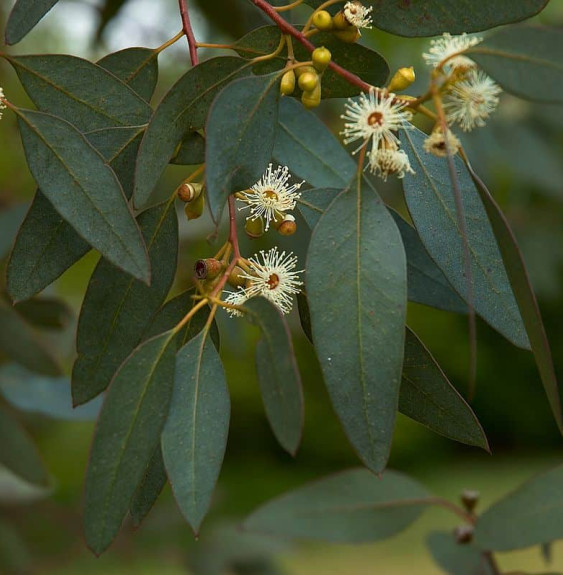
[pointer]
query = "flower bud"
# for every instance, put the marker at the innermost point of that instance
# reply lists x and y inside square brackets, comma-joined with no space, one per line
[308,81]
[194,209]
[349,35]
[339,21]
[304,70]
[207,269]
[321,58]
[188,192]
[402,79]
[236,278]
[254,228]
[287,226]
[470,498]
[463,534]
[287,85]
[313,98]
[322,20]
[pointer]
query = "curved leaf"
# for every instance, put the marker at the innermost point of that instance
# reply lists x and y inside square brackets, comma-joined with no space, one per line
[24,16]
[357,288]
[278,375]
[456,559]
[195,436]
[83,189]
[241,131]
[150,488]
[431,203]
[128,432]
[353,506]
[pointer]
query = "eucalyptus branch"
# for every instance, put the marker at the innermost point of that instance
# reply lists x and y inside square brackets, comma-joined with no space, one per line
[187,26]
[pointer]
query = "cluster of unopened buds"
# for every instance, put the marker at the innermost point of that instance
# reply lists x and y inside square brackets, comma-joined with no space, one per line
[347,23]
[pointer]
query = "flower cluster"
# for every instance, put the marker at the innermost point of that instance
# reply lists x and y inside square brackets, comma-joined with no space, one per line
[2,105]
[374,119]
[357,14]
[271,276]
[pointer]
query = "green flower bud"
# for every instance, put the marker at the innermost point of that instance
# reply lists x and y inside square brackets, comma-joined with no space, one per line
[321,58]
[322,20]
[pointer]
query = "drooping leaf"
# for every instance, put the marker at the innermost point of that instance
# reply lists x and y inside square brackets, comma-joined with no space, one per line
[18,452]
[431,203]
[117,308]
[49,396]
[353,506]
[83,93]
[524,293]
[83,189]
[24,16]
[128,432]
[456,559]
[433,17]
[183,109]
[137,67]
[357,287]
[195,436]
[525,61]
[428,397]
[19,342]
[10,220]
[150,488]
[531,515]
[191,150]
[240,137]
[278,375]
[45,312]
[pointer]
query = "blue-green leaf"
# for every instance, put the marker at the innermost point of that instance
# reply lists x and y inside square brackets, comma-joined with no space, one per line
[24,16]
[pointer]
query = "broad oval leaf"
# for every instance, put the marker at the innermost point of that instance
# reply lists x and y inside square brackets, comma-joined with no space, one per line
[128,432]
[150,488]
[195,436]
[427,396]
[278,375]
[24,16]
[357,287]
[525,61]
[455,558]
[531,515]
[431,203]
[183,109]
[433,17]
[98,100]
[83,189]
[241,131]
[117,308]
[18,452]
[353,506]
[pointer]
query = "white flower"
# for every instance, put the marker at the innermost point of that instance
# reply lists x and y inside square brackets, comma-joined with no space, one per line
[2,105]
[236,298]
[374,117]
[436,143]
[271,195]
[273,277]
[448,45]
[386,161]
[357,14]
[471,101]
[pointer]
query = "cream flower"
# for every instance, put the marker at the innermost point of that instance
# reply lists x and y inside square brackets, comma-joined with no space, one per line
[436,143]
[471,101]
[2,105]
[448,45]
[374,117]
[236,298]
[273,277]
[271,195]
[357,14]
[386,161]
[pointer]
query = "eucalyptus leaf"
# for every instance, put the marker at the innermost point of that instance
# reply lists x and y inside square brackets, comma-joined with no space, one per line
[456,559]
[240,138]
[45,312]
[191,151]
[357,287]
[10,220]
[128,431]
[195,436]
[353,506]
[24,16]
[278,375]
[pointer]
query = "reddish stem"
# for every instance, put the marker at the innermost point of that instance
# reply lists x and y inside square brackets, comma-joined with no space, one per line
[287,28]
[187,26]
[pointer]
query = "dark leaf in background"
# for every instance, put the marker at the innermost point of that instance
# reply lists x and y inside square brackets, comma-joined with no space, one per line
[24,16]
[191,151]
[233,19]
[108,11]
[456,559]
[45,312]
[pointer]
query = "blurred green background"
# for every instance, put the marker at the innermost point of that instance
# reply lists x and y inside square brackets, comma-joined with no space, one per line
[519,154]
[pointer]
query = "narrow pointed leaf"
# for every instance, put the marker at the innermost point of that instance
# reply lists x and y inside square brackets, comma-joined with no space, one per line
[128,432]
[150,488]
[183,109]
[524,293]
[83,189]
[117,308]
[195,436]
[525,61]
[18,452]
[278,375]
[357,288]
[531,515]
[24,16]
[98,100]
[353,506]
[456,559]
[431,203]
[240,137]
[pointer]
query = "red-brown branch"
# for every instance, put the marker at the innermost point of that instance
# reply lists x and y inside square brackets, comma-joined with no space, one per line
[187,26]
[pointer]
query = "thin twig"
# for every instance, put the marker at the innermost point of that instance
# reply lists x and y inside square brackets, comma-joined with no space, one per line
[187,26]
